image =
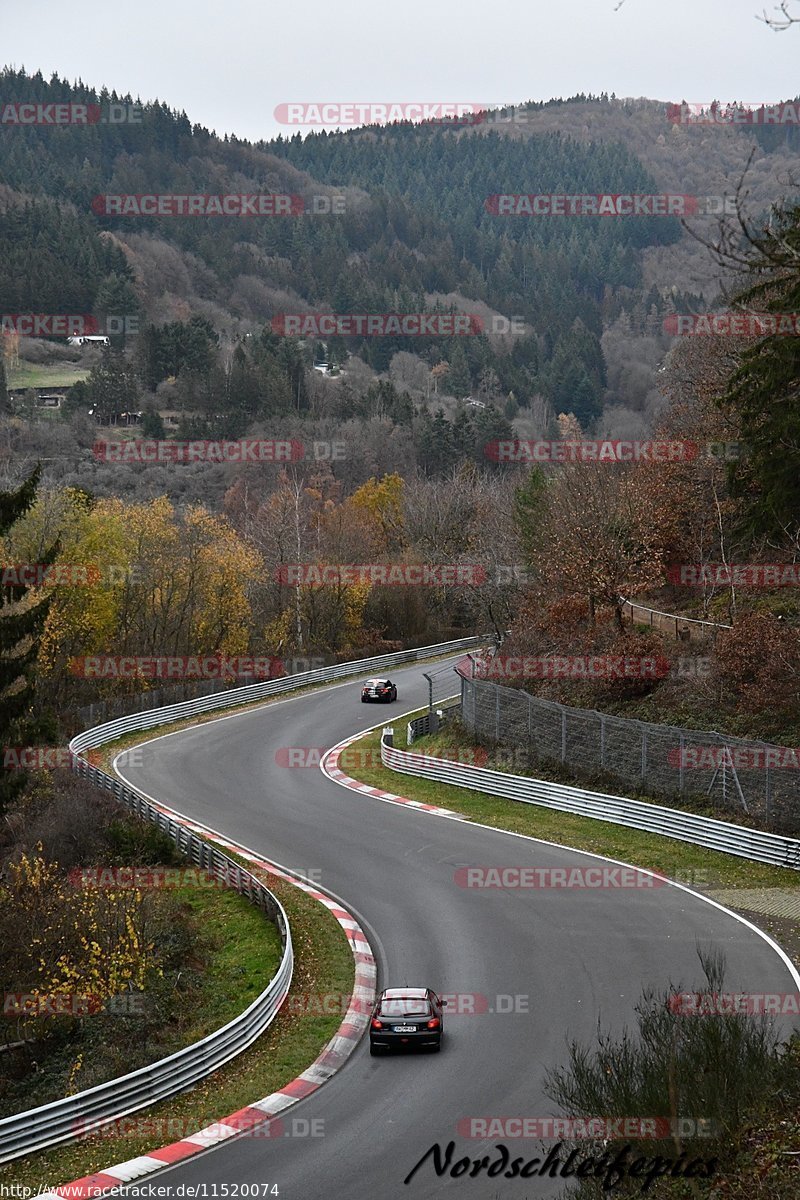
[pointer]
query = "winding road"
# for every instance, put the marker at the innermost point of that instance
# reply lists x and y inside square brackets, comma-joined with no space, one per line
[564,956]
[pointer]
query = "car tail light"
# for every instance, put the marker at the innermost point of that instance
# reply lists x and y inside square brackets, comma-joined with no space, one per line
[376,1024]
[434,1023]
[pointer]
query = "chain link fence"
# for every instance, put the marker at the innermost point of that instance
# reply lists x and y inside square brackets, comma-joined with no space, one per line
[753,778]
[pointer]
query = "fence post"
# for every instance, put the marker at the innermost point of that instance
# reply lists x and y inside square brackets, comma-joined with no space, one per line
[497,712]
[768,788]
[563,734]
[602,740]
[530,721]
[681,742]
[644,755]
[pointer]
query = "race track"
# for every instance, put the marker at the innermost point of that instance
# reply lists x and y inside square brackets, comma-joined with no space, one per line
[569,955]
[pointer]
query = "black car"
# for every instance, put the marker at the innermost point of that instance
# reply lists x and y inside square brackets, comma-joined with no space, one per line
[406,1017]
[378,689]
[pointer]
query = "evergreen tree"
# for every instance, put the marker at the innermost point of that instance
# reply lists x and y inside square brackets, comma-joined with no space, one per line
[151,425]
[765,388]
[459,382]
[528,509]
[112,387]
[22,616]
[77,399]
[5,399]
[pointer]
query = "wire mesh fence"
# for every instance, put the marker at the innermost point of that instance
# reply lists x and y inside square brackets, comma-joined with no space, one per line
[750,778]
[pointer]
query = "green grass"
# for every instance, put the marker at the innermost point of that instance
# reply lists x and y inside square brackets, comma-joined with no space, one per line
[323,965]
[247,953]
[46,375]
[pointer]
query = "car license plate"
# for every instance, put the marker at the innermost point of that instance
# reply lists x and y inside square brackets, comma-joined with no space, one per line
[405,1029]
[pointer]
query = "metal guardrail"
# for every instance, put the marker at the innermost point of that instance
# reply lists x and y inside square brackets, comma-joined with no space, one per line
[636,814]
[70,1118]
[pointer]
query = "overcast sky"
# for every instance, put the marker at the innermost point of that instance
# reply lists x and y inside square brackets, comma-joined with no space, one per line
[229,64]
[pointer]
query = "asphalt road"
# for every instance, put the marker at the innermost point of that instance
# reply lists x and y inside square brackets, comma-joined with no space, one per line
[564,957]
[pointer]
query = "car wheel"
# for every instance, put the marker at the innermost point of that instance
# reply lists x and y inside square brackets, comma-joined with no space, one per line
[363,699]
[436,1048]
[375,1050]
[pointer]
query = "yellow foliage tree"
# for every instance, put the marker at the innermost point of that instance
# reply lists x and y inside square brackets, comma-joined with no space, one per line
[381,501]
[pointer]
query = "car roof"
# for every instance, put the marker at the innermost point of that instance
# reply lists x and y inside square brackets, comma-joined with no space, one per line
[404,993]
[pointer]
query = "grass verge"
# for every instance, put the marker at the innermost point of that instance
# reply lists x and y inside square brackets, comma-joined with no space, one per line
[40,375]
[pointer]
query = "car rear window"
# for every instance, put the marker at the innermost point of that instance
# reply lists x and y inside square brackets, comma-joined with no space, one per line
[408,1007]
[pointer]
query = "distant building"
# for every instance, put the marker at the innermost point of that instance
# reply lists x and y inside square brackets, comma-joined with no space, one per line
[123,418]
[46,397]
[89,339]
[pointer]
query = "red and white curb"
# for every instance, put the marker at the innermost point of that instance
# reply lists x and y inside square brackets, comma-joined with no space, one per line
[261,1113]
[330,767]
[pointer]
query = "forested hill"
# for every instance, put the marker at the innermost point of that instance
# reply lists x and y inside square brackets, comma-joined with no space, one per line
[415,231]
